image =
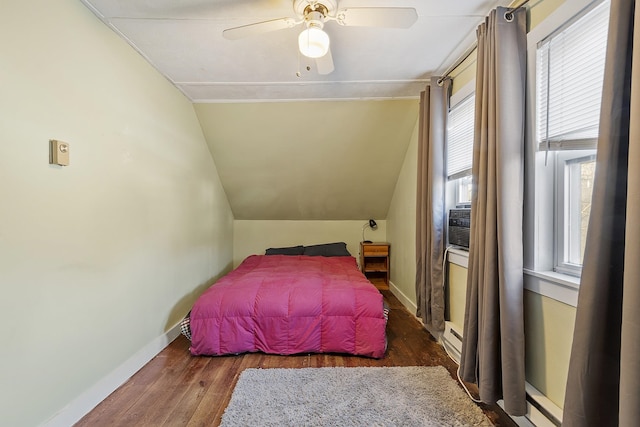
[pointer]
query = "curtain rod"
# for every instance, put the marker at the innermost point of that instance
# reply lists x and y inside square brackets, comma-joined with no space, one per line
[470,50]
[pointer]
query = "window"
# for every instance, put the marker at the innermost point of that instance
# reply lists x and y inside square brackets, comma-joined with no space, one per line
[463,191]
[460,149]
[570,73]
[574,182]
[569,68]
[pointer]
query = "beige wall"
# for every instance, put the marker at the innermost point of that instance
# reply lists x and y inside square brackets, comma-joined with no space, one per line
[456,295]
[464,73]
[253,237]
[540,9]
[102,257]
[548,337]
[401,225]
[548,334]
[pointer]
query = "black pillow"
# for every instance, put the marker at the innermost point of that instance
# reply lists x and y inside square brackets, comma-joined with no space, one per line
[327,249]
[293,250]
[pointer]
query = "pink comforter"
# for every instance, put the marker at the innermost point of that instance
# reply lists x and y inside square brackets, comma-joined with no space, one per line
[290,304]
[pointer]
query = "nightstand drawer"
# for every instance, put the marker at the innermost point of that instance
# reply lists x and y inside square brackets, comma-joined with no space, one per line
[376,250]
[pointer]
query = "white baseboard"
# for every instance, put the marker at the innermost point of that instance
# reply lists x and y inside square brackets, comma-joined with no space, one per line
[88,400]
[410,305]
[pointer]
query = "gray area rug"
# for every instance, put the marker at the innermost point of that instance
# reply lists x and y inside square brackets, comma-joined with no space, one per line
[397,396]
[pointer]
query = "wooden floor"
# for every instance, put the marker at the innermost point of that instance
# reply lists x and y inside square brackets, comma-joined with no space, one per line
[177,389]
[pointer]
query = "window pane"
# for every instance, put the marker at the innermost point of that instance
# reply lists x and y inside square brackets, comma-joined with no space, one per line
[464,191]
[569,79]
[587,174]
[579,180]
[460,138]
[570,73]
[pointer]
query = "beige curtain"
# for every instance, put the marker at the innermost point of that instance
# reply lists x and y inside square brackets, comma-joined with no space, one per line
[603,387]
[493,338]
[430,212]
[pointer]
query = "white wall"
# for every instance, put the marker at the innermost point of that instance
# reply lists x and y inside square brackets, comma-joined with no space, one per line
[253,237]
[401,226]
[102,257]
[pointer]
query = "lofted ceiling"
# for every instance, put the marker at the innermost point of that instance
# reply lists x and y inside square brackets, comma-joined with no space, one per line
[332,160]
[291,143]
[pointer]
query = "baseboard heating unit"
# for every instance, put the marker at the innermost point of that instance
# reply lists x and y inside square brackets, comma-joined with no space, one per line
[541,412]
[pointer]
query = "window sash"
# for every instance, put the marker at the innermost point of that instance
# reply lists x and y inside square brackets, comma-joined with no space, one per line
[567,219]
[463,191]
[570,70]
[460,138]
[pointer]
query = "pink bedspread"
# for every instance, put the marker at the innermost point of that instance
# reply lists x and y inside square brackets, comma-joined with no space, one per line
[282,304]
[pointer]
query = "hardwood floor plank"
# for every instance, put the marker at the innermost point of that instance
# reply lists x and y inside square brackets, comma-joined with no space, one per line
[177,389]
[216,389]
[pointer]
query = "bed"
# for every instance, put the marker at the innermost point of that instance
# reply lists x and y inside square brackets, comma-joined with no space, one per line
[301,302]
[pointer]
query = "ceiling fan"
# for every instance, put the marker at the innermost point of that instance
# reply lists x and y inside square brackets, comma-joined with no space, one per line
[313,42]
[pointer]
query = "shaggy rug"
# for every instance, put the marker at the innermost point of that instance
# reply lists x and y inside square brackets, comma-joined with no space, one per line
[398,396]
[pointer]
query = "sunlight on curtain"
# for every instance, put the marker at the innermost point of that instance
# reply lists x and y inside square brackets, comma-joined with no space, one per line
[493,338]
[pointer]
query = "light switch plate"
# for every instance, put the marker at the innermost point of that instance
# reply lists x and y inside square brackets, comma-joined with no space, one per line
[58,152]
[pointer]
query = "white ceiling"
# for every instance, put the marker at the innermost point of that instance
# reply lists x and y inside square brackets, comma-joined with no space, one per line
[338,159]
[183,40]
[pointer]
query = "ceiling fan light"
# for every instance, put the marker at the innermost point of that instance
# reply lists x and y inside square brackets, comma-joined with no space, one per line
[313,42]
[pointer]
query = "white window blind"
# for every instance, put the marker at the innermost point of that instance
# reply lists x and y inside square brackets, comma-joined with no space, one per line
[569,85]
[460,138]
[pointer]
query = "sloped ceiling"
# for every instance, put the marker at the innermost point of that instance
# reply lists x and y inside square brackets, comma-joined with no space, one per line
[309,160]
[337,151]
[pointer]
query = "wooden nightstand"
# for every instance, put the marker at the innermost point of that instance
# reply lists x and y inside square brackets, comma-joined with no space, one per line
[374,263]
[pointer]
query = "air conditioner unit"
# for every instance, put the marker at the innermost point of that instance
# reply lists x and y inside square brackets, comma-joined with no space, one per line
[459,224]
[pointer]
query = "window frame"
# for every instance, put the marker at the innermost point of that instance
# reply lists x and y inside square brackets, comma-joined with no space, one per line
[563,209]
[540,257]
[459,183]
[453,185]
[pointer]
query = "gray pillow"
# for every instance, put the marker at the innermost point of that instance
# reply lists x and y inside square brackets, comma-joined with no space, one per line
[293,250]
[327,249]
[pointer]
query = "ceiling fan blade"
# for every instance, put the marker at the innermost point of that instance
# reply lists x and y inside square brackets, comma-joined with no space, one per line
[258,28]
[324,64]
[390,17]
